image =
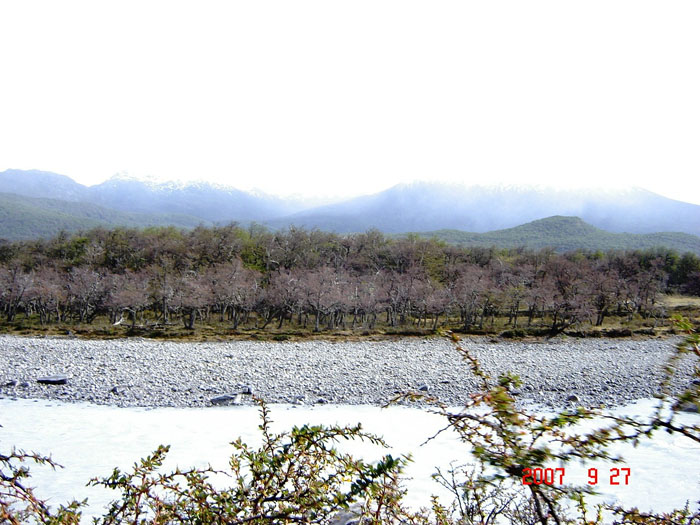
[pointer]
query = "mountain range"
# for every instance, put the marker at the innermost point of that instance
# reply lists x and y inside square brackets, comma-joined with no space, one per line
[430,206]
[207,202]
[39,204]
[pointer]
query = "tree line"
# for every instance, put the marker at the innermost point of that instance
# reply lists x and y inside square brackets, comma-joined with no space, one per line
[253,277]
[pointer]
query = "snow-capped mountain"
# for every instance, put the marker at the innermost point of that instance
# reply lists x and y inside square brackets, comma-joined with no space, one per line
[418,206]
[125,192]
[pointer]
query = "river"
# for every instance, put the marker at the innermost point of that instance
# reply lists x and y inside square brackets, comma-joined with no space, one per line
[89,440]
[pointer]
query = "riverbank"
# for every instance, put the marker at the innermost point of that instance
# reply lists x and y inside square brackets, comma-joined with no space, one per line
[133,372]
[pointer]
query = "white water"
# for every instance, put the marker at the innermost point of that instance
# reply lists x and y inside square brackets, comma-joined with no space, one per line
[90,440]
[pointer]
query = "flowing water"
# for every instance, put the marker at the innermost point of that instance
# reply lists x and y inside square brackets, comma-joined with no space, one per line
[89,440]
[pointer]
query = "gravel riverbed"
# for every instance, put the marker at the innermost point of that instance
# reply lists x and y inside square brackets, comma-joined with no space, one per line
[136,372]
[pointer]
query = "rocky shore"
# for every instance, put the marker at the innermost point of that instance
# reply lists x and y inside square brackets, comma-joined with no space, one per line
[136,372]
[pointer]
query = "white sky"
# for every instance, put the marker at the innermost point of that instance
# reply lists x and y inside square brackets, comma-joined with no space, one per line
[341,98]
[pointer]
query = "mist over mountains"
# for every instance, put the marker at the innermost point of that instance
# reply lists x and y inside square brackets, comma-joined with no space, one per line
[431,206]
[49,202]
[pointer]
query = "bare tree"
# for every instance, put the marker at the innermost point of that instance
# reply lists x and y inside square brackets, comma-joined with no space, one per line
[161,286]
[364,298]
[323,292]
[602,280]
[87,292]
[129,295]
[283,296]
[566,294]
[191,296]
[49,294]
[469,293]
[14,283]
[233,289]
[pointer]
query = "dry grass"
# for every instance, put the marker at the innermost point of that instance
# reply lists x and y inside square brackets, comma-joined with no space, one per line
[214,330]
[679,301]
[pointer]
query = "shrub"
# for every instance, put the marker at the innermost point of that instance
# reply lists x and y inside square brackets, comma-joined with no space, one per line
[506,441]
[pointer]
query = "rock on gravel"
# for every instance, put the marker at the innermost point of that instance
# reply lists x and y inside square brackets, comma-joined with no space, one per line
[58,379]
[226,399]
[137,372]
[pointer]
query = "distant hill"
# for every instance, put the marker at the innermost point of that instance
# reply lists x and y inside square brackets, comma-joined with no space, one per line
[35,183]
[433,206]
[568,234]
[30,218]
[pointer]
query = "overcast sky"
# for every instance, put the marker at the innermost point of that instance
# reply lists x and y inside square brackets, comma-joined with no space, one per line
[341,98]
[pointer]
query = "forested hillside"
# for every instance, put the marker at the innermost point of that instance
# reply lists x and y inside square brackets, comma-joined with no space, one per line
[565,234]
[257,279]
[31,218]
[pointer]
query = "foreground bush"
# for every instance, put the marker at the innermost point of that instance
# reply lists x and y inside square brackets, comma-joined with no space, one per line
[294,477]
[300,476]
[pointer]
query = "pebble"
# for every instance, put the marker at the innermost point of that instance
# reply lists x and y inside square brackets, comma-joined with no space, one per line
[158,374]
